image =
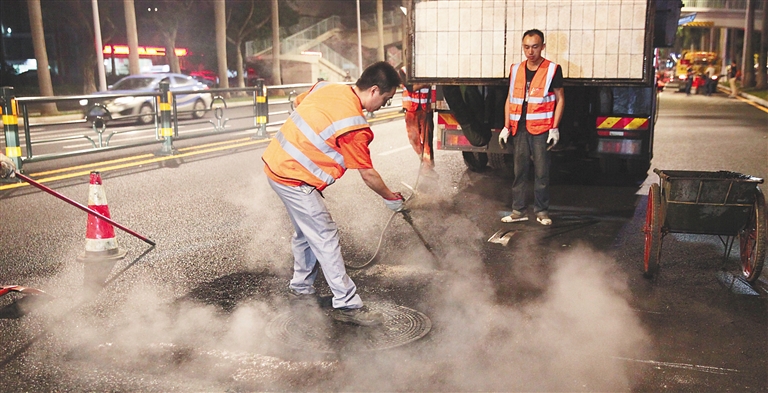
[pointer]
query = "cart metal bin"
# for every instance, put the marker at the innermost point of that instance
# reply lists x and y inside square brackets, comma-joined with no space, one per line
[726,204]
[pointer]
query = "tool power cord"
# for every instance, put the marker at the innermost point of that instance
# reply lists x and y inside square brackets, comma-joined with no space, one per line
[386,226]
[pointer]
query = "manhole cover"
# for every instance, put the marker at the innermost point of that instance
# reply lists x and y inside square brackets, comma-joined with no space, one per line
[313,329]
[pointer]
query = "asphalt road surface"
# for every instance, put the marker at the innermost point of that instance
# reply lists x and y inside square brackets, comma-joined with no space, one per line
[563,308]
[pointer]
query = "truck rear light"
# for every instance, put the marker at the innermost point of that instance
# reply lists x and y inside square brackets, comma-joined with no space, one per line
[619,146]
[456,140]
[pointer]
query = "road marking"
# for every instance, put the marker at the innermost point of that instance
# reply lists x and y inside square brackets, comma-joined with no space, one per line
[212,147]
[685,366]
[129,139]
[393,151]
[742,99]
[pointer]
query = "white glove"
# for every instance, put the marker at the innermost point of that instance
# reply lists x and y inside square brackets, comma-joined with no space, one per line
[503,137]
[7,168]
[395,204]
[554,136]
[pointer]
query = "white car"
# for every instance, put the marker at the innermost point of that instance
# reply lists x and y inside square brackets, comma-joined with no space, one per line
[141,109]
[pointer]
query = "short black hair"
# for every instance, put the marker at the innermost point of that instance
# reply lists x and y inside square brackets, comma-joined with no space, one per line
[381,74]
[532,32]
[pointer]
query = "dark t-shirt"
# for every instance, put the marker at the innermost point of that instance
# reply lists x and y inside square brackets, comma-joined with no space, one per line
[557,82]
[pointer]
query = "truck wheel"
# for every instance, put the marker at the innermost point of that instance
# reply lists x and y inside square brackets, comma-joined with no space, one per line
[471,126]
[504,163]
[475,162]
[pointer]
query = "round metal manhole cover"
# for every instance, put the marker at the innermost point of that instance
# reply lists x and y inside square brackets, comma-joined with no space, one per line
[313,329]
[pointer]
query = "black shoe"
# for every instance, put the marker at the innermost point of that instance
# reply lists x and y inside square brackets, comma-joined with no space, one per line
[358,316]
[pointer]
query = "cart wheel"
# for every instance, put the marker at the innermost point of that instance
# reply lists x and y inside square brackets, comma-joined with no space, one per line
[652,231]
[752,241]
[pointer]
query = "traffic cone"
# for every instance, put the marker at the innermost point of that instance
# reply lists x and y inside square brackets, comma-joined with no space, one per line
[100,242]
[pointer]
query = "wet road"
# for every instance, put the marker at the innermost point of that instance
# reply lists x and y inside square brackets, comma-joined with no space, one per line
[558,309]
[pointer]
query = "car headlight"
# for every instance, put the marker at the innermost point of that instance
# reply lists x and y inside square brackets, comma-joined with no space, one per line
[124,100]
[83,102]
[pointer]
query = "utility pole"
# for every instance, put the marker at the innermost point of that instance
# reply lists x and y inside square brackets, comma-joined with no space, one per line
[380,26]
[133,37]
[277,78]
[99,46]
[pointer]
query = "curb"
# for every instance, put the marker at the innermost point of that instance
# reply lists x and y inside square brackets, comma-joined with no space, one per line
[755,99]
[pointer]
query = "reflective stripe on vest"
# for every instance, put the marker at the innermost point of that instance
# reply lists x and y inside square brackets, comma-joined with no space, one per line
[540,110]
[412,100]
[313,147]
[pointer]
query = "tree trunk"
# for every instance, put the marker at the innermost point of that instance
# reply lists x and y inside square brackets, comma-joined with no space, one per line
[170,53]
[762,72]
[277,79]
[748,62]
[133,37]
[38,41]
[239,65]
[219,10]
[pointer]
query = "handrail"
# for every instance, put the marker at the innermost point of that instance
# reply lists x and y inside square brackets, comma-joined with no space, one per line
[103,144]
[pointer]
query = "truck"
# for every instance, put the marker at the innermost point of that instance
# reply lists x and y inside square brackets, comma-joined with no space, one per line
[698,63]
[607,51]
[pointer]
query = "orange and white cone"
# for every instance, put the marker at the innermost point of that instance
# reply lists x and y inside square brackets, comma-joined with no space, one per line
[100,241]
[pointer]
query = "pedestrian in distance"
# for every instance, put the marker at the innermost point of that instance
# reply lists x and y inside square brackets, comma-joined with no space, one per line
[532,114]
[324,136]
[7,167]
[419,124]
[690,76]
[733,77]
[710,85]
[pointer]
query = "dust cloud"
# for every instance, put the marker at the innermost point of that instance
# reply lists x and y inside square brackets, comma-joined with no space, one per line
[566,335]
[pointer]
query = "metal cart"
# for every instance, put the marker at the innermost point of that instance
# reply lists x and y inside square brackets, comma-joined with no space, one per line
[726,204]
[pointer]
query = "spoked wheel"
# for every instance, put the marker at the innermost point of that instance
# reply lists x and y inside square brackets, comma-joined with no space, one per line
[752,241]
[652,231]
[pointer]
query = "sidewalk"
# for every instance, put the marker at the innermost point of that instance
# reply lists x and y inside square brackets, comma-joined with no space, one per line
[750,97]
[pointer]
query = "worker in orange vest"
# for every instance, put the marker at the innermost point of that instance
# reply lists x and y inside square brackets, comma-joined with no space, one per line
[534,108]
[417,103]
[324,136]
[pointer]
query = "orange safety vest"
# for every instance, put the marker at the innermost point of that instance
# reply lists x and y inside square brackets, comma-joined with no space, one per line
[540,115]
[419,99]
[305,149]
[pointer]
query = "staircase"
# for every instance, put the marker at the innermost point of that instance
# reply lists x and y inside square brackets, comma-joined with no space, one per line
[308,39]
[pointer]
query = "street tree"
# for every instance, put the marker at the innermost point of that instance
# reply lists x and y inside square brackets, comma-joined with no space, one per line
[38,41]
[166,17]
[242,25]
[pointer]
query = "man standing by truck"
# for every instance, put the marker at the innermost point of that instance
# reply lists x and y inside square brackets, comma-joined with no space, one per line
[533,112]
[326,135]
[417,103]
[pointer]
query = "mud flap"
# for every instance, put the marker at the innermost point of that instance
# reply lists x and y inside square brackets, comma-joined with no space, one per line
[466,113]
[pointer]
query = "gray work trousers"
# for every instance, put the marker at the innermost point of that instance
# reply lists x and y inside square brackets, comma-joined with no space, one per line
[316,240]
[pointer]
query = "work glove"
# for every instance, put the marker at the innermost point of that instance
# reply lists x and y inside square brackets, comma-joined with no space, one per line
[503,137]
[554,136]
[7,168]
[395,204]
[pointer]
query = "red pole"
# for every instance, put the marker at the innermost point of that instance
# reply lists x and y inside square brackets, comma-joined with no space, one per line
[81,206]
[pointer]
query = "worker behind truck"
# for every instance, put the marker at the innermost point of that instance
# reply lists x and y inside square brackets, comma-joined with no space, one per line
[417,103]
[323,137]
[7,168]
[532,114]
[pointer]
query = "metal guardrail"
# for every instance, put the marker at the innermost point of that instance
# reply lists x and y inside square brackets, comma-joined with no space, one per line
[223,100]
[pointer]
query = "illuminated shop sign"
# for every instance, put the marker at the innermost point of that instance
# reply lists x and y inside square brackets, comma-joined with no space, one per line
[143,50]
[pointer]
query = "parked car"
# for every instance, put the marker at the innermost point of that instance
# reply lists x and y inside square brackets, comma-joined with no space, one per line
[142,108]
